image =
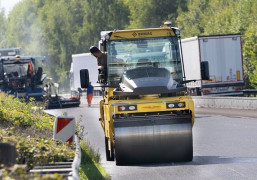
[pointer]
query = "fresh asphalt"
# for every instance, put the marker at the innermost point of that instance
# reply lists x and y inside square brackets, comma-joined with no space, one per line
[225,146]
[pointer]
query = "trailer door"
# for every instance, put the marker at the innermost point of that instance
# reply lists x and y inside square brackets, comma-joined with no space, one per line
[224,56]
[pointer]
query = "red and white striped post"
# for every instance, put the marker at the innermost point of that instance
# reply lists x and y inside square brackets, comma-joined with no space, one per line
[64,128]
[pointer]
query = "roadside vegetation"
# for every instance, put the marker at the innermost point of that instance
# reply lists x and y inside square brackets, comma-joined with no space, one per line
[90,167]
[30,130]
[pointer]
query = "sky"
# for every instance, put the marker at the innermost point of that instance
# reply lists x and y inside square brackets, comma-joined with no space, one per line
[8,5]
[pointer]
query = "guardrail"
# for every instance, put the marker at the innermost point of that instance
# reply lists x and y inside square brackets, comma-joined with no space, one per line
[225,102]
[76,162]
[69,170]
[250,92]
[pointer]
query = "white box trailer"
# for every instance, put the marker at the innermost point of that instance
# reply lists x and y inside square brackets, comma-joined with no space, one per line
[83,61]
[221,56]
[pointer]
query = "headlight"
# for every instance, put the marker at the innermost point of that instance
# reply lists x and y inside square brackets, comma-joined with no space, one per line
[181,104]
[171,105]
[127,108]
[132,108]
[175,105]
[122,108]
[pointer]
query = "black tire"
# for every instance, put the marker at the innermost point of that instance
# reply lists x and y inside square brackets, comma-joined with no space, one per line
[84,78]
[109,154]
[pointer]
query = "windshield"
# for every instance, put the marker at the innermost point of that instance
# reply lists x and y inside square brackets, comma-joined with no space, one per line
[15,70]
[18,68]
[161,52]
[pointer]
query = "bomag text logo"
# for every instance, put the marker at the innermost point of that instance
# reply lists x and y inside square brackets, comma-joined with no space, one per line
[142,34]
[134,34]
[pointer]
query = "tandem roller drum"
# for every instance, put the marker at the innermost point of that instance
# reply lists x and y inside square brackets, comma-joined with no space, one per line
[153,139]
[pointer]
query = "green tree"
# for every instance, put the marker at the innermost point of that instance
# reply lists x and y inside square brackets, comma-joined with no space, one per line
[205,17]
[152,13]
[24,28]
[249,25]
[191,21]
[102,16]
[58,29]
[56,19]
[222,17]
[3,26]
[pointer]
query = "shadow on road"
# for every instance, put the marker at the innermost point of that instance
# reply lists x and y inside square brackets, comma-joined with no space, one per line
[202,116]
[206,160]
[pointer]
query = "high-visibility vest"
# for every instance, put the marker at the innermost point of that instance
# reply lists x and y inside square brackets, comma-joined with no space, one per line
[30,68]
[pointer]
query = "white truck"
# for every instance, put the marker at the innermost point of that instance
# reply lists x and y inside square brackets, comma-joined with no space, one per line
[215,62]
[83,61]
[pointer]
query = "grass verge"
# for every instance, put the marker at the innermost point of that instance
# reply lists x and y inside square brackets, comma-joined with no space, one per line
[90,167]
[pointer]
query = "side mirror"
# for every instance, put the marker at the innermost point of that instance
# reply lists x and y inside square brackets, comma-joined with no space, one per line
[84,78]
[205,70]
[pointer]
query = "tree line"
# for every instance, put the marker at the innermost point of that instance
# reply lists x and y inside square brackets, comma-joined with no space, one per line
[57,29]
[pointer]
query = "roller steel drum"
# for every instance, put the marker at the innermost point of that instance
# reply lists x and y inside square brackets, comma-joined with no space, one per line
[153,139]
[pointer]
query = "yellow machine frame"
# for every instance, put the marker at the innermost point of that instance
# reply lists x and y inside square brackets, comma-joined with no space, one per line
[145,104]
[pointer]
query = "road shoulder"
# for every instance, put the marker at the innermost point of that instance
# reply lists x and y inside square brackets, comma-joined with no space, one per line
[227,112]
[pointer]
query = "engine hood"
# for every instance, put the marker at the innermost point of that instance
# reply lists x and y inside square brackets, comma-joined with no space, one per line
[147,80]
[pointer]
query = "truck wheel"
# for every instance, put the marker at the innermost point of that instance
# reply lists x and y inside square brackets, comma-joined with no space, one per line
[109,154]
[84,78]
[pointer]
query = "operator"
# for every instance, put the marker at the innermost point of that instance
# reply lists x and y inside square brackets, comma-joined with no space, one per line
[101,61]
[100,56]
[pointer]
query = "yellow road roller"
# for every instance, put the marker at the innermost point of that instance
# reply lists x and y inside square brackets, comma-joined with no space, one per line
[145,112]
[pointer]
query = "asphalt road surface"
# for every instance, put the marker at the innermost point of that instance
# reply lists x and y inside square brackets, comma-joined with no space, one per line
[225,147]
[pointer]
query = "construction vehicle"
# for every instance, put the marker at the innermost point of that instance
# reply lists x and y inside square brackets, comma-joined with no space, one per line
[22,77]
[216,62]
[145,112]
[54,100]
